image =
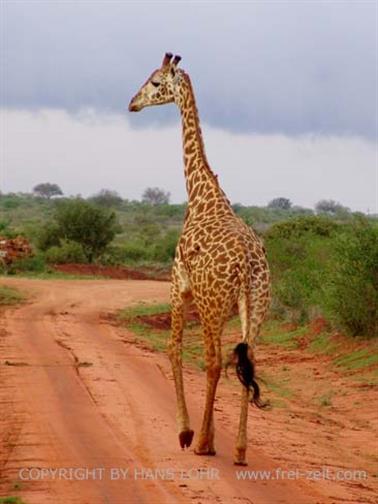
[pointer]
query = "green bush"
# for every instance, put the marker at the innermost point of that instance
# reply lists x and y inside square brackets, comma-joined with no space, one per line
[113,256]
[297,268]
[5,230]
[67,252]
[135,252]
[48,236]
[128,253]
[35,263]
[148,233]
[11,203]
[350,294]
[164,249]
[91,226]
[300,226]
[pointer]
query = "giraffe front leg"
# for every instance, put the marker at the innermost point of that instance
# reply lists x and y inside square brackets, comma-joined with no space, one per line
[178,302]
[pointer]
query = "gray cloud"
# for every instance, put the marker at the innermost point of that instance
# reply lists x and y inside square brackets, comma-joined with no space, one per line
[266,67]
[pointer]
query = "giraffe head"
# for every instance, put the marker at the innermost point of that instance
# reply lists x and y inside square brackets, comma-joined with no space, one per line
[159,87]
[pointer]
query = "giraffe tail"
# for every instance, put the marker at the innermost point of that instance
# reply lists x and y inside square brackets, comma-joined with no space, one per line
[245,371]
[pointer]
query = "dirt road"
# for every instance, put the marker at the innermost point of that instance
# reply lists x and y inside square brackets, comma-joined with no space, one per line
[80,401]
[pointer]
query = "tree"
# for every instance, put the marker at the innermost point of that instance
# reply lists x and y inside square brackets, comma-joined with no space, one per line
[82,222]
[330,207]
[280,204]
[155,196]
[47,190]
[106,198]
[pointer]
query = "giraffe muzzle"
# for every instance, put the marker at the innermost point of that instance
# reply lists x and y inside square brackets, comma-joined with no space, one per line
[133,107]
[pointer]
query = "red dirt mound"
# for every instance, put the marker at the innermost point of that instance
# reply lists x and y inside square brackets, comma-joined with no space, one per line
[163,320]
[117,272]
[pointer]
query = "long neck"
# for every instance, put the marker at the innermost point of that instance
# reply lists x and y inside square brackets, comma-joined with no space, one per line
[200,180]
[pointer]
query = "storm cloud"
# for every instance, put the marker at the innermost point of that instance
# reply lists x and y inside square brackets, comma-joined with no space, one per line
[262,67]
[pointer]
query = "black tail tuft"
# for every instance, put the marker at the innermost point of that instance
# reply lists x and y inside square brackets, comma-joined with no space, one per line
[245,371]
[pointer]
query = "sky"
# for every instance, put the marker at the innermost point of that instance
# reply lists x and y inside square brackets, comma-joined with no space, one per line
[286,92]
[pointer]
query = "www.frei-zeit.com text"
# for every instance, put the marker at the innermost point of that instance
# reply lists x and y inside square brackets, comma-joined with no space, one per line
[169,474]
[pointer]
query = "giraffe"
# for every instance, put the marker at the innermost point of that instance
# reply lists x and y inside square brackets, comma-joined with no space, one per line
[219,263]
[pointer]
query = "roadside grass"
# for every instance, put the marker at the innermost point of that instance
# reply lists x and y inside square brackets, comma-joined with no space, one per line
[155,337]
[323,344]
[357,359]
[280,388]
[10,295]
[347,356]
[129,314]
[54,275]
[273,333]
[11,500]
[158,338]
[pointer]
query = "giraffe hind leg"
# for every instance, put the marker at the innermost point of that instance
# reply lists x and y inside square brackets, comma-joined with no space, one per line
[179,303]
[243,358]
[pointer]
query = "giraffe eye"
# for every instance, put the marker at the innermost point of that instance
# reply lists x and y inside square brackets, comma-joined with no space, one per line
[156,84]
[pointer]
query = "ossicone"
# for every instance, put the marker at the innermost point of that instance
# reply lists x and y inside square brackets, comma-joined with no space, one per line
[167,59]
[176,60]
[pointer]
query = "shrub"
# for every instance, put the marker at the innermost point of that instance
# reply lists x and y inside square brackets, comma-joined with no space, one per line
[351,291]
[148,233]
[6,231]
[135,252]
[48,236]
[34,263]
[297,268]
[171,210]
[300,226]
[164,249]
[11,204]
[67,252]
[91,226]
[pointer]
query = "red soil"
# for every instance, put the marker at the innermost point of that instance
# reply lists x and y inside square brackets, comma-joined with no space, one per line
[79,392]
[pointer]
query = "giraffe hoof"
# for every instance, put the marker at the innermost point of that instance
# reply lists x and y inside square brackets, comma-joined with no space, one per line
[240,462]
[185,438]
[240,458]
[205,451]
